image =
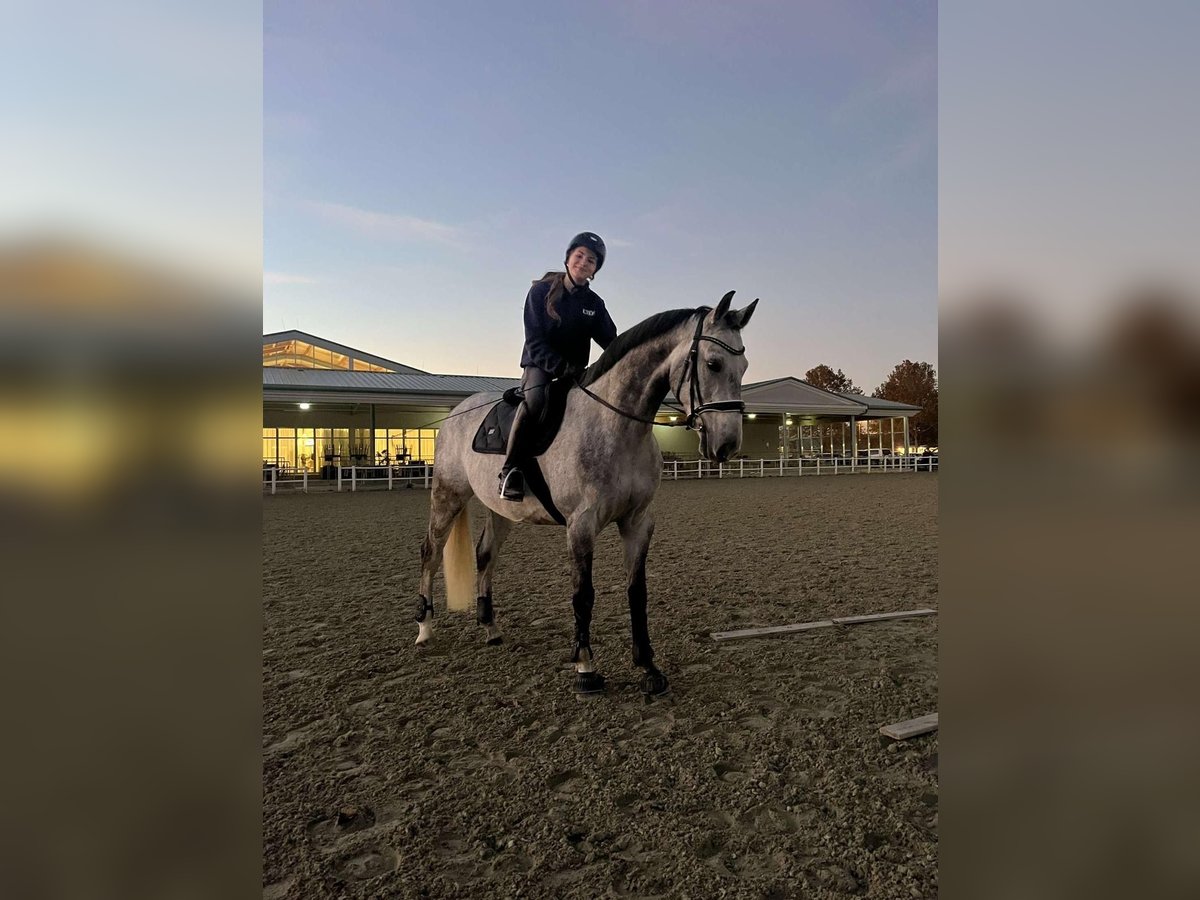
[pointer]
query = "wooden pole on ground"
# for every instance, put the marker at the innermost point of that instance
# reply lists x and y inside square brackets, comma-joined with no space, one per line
[823,623]
[902,731]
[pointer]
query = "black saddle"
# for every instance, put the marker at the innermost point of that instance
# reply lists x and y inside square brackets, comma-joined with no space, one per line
[492,435]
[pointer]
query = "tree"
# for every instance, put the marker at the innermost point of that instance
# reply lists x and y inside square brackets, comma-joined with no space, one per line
[826,379]
[915,383]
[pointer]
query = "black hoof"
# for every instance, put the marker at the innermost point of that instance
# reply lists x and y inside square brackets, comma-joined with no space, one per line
[589,685]
[495,641]
[655,684]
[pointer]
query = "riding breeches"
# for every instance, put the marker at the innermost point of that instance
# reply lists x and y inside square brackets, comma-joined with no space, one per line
[535,385]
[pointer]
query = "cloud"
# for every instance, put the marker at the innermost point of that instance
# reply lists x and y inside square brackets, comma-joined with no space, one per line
[288,126]
[390,226]
[913,80]
[916,148]
[284,278]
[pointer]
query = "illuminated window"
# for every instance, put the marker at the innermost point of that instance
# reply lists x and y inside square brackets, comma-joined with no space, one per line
[308,449]
[363,366]
[405,445]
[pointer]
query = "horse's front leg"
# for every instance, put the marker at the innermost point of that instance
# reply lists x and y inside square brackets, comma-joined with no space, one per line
[581,539]
[636,531]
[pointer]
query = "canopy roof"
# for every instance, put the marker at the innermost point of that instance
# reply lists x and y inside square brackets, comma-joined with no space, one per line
[301,350]
[406,385]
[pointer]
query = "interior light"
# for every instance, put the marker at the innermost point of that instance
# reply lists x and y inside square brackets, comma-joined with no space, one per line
[673,418]
[305,405]
[752,415]
[789,421]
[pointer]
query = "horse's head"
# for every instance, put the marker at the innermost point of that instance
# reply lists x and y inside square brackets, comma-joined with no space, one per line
[708,378]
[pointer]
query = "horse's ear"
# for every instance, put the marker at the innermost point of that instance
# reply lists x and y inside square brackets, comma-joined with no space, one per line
[722,307]
[739,317]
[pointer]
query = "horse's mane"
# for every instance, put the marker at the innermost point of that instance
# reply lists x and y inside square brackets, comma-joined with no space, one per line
[659,323]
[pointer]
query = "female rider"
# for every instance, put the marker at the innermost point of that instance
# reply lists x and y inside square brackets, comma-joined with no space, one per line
[563,315]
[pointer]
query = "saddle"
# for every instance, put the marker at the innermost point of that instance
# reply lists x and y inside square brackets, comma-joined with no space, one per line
[492,434]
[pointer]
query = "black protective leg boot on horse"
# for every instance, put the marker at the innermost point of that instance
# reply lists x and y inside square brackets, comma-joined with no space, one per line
[589,684]
[512,479]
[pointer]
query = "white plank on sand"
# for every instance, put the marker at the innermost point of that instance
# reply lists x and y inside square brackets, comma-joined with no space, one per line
[878,617]
[823,623]
[773,629]
[911,728]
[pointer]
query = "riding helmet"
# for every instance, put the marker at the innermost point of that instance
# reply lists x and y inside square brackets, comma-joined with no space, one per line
[592,242]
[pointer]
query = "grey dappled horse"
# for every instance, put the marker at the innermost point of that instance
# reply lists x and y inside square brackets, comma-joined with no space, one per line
[604,466]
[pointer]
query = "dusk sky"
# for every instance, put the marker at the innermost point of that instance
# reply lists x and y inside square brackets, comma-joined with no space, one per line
[423,162]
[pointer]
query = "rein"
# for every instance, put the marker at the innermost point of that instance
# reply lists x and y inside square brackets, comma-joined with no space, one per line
[692,422]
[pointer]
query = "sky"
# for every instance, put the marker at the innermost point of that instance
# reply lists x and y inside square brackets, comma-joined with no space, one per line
[424,162]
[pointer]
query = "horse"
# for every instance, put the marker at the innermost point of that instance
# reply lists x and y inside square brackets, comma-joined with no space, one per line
[603,466]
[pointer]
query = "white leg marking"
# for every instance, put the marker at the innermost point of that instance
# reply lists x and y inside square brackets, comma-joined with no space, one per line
[425,633]
[585,661]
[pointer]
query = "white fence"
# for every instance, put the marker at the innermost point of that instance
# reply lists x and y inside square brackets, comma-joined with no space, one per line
[351,478]
[776,468]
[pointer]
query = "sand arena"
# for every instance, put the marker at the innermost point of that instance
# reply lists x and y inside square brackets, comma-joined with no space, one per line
[472,771]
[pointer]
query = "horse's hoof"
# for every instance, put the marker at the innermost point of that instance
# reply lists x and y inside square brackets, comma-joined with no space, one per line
[655,685]
[495,641]
[589,685]
[422,645]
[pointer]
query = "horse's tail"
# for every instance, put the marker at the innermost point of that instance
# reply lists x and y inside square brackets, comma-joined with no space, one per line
[458,564]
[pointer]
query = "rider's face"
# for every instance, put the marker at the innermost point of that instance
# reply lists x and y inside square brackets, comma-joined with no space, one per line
[581,264]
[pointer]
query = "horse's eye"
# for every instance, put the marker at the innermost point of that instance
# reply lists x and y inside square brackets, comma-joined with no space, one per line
[714,365]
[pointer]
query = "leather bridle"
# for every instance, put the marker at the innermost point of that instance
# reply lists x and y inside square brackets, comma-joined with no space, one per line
[690,367]
[693,422]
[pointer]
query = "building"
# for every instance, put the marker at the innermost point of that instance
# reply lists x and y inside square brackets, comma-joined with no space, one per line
[326,404]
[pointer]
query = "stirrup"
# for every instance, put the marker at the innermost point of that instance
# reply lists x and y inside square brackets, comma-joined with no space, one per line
[512,485]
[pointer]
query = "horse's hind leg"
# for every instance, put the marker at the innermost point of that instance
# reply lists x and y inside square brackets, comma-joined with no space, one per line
[444,507]
[495,530]
[636,531]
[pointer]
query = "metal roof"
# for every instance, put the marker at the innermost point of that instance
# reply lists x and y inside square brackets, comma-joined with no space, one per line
[321,379]
[790,394]
[780,395]
[777,395]
[877,405]
[793,395]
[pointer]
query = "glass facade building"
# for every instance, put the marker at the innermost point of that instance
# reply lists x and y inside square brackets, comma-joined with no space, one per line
[326,405]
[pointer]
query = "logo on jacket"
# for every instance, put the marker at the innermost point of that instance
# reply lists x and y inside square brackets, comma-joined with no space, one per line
[589,312]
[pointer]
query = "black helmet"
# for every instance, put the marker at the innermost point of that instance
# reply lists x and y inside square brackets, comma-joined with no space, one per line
[590,241]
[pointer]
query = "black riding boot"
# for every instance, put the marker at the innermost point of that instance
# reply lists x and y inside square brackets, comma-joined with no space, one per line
[512,479]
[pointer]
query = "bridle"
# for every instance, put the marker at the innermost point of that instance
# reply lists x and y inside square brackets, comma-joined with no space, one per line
[690,367]
[693,422]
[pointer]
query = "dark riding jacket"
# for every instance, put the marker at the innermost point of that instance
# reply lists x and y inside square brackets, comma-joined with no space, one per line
[564,345]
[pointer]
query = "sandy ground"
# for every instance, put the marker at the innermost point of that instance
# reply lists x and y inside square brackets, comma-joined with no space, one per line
[472,771]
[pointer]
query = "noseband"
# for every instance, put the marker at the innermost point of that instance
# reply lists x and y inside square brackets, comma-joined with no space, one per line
[698,405]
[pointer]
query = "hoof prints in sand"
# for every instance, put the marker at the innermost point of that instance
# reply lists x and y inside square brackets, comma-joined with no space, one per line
[471,769]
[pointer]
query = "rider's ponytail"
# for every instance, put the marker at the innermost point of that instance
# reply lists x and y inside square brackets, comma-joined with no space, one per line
[555,293]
